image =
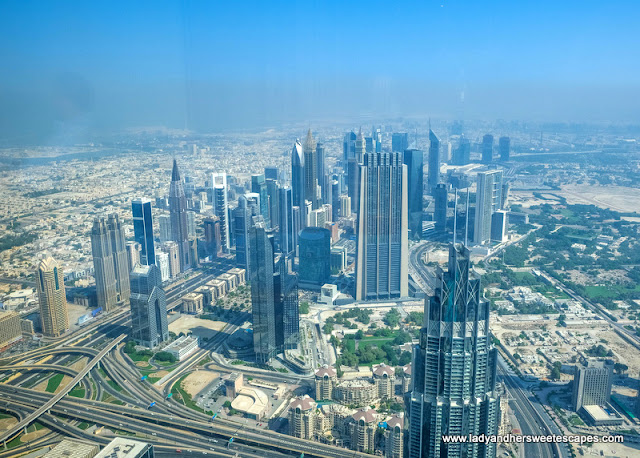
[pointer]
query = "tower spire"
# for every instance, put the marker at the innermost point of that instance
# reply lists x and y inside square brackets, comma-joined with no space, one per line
[175,174]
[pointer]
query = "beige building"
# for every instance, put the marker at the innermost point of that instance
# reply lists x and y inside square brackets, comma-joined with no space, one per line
[51,297]
[73,448]
[171,248]
[406,378]
[192,303]
[302,418]
[393,437]
[241,275]
[360,392]
[10,328]
[233,383]
[362,430]
[27,327]
[326,380]
[384,376]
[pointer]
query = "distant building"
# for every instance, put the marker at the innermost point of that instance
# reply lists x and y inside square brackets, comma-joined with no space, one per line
[122,447]
[288,224]
[133,255]
[171,248]
[414,160]
[462,154]
[221,208]
[148,307]
[242,216]
[212,236]
[592,384]
[433,172]
[162,261]
[297,174]
[10,327]
[488,200]
[487,148]
[345,206]
[182,347]
[440,195]
[338,259]
[399,142]
[119,253]
[499,226]
[259,186]
[315,252]
[164,222]
[143,230]
[51,297]
[271,173]
[504,148]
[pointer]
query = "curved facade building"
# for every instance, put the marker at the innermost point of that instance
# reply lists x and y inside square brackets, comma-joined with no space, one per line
[51,298]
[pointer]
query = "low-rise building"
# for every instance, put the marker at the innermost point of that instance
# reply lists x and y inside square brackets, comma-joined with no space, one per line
[10,328]
[328,294]
[73,448]
[192,303]
[360,392]
[233,383]
[123,447]
[385,377]
[182,347]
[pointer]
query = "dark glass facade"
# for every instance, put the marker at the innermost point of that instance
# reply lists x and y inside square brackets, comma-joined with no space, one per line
[143,230]
[315,256]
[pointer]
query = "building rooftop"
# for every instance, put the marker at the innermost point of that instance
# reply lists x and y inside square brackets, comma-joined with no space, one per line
[181,342]
[367,414]
[382,369]
[303,403]
[122,447]
[72,448]
[326,370]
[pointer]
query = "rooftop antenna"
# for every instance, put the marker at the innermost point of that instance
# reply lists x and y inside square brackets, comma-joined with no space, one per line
[455,217]
[466,222]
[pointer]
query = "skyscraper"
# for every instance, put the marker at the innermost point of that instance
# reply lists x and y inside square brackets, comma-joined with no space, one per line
[399,142]
[164,222]
[51,298]
[221,208]
[310,171]
[287,233]
[212,236]
[453,368]
[262,291]
[242,222]
[272,199]
[148,306]
[348,147]
[504,148]
[488,200]
[271,173]
[297,174]
[315,256]
[259,186]
[462,154]
[178,215]
[120,257]
[143,230]
[440,213]
[382,247]
[487,148]
[133,255]
[433,173]
[321,172]
[413,159]
[103,265]
[353,186]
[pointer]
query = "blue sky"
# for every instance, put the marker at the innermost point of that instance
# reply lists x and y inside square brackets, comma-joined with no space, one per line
[266,59]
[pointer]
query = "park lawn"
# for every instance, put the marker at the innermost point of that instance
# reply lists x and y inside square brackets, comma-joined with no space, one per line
[77,392]
[138,357]
[54,383]
[613,291]
[377,341]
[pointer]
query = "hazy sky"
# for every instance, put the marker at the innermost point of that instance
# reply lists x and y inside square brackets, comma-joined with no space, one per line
[70,69]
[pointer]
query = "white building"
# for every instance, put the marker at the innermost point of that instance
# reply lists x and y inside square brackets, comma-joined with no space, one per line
[182,347]
[162,261]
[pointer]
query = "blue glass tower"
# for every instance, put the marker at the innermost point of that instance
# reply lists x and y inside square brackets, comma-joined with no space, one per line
[143,230]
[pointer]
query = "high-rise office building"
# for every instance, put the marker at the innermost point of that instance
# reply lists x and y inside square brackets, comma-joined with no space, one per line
[221,208]
[335,200]
[162,261]
[51,298]
[348,147]
[143,230]
[259,186]
[272,199]
[120,257]
[504,148]
[499,226]
[148,306]
[315,256]
[212,236]
[433,173]
[321,172]
[103,266]
[262,291]
[297,174]
[171,248]
[453,379]
[242,215]
[353,180]
[462,154]
[271,173]
[133,255]
[414,159]
[286,231]
[399,142]
[441,201]
[164,222]
[310,171]
[178,215]
[382,246]
[487,148]
[592,384]
[287,307]
[488,200]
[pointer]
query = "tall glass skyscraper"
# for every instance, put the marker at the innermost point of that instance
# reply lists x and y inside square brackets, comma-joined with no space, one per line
[315,256]
[178,215]
[488,200]
[453,368]
[143,230]
[310,171]
[242,215]
[320,171]
[259,186]
[413,159]
[148,306]
[287,226]
[433,174]
[297,174]
[382,248]
[487,148]
[54,316]
[440,195]
[120,258]
[103,265]
[221,207]
[504,148]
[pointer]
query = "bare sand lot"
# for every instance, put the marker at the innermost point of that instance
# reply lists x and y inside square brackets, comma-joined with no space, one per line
[197,326]
[80,364]
[6,423]
[616,198]
[198,380]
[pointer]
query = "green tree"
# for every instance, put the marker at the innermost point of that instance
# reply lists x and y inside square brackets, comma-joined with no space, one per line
[304,308]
